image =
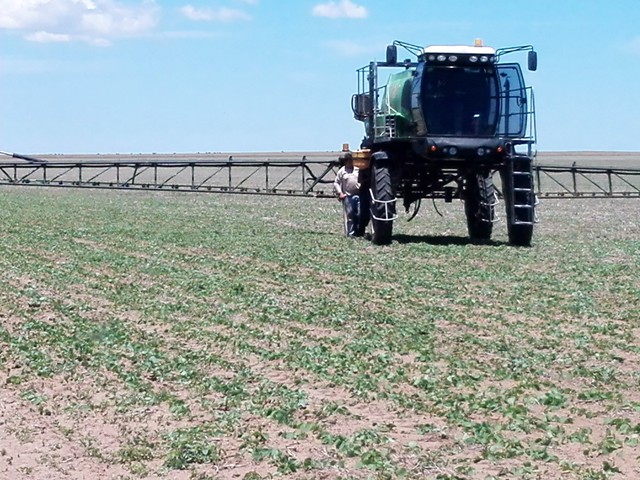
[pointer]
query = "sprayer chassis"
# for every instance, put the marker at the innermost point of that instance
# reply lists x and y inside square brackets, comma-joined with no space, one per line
[397,171]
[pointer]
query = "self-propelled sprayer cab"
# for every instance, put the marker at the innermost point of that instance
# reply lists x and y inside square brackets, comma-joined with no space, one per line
[452,102]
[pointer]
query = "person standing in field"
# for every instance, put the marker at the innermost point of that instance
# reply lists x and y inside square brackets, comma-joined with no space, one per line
[347,188]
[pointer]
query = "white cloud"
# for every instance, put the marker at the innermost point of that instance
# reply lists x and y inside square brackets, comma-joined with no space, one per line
[196,14]
[221,14]
[46,37]
[92,21]
[342,9]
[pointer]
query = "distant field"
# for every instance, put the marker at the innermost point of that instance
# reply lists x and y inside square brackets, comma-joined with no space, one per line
[591,159]
[186,336]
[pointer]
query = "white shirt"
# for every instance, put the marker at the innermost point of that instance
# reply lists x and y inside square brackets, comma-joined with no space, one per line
[347,181]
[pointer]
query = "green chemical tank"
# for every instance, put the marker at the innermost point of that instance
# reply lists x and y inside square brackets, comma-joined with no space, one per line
[396,104]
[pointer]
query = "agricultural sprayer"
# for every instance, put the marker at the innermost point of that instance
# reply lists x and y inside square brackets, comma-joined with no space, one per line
[442,126]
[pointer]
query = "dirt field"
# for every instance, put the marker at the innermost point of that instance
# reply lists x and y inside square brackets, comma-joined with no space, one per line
[149,335]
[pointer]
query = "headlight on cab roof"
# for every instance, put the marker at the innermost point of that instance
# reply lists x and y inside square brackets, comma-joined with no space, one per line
[457,59]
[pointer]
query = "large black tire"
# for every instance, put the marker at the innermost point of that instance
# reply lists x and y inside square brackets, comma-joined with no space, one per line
[479,206]
[519,189]
[365,202]
[382,189]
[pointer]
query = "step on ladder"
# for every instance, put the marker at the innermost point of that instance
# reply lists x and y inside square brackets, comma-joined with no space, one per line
[523,199]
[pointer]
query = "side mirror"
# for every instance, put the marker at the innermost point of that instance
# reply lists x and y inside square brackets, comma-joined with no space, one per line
[392,54]
[533,60]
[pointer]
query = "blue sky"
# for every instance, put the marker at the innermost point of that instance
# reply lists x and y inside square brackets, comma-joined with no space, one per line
[142,76]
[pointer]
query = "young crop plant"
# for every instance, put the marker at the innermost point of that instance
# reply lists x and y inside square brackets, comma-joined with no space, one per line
[191,446]
[161,335]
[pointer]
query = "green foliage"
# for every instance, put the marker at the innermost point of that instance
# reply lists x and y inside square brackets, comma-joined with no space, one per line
[191,446]
[249,330]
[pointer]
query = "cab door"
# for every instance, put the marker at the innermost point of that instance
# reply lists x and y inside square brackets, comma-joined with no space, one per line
[513,101]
